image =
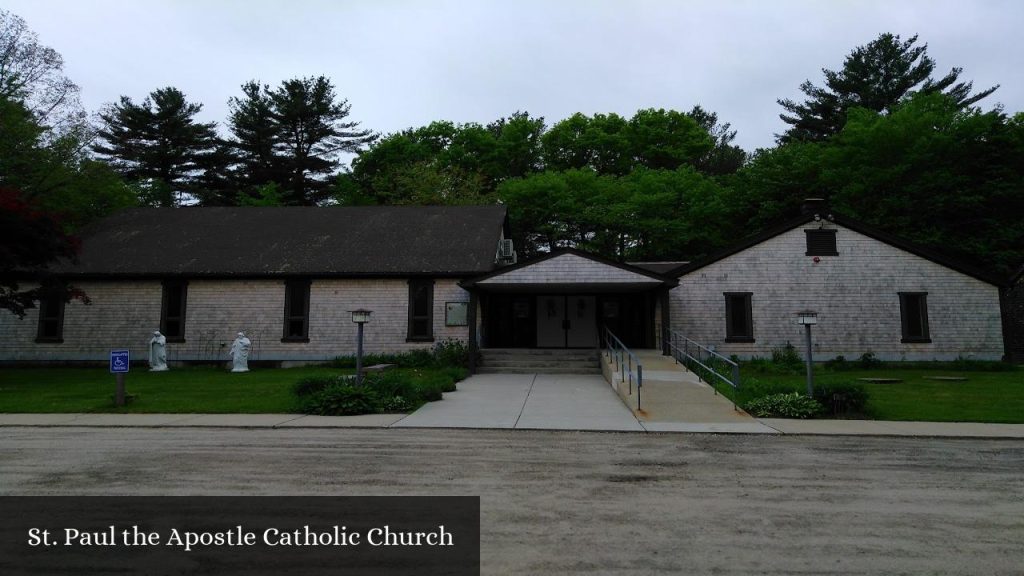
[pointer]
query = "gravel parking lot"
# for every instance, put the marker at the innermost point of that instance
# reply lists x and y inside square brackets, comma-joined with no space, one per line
[586,503]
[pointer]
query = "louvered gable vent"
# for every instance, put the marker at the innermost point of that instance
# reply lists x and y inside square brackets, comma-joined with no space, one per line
[821,243]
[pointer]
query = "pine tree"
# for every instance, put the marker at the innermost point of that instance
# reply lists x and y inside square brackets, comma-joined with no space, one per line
[725,157]
[255,135]
[158,143]
[877,76]
[312,133]
[292,136]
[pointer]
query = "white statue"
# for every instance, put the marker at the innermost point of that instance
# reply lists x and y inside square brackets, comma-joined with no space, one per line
[240,353]
[158,352]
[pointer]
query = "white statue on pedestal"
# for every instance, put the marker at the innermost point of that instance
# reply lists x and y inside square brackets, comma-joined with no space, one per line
[240,353]
[158,352]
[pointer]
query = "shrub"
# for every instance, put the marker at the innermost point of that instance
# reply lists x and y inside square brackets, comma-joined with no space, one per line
[429,386]
[752,388]
[837,364]
[868,361]
[792,405]
[450,352]
[842,398]
[398,404]
[419,358]
[455,374]
[391,383]
[447,352]
[313,384]
[786,357]
[430,391]
[368,360]
[342,399]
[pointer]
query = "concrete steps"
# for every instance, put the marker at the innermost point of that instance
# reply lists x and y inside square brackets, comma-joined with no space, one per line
[543,361]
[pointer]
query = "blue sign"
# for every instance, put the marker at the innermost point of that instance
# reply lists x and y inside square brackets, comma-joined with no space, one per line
[119,361]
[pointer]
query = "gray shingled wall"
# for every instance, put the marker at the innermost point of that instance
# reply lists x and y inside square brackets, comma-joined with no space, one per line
[124,314]
[854,293]
[569,268]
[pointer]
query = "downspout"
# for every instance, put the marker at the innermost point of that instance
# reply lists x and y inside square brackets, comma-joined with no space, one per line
[666,320]
[471,325]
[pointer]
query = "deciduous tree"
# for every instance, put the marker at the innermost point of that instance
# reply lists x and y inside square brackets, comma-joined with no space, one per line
[33,74]
[30,239]
[928,171]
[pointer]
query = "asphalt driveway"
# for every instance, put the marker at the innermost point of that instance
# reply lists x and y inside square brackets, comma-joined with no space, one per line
[588,503]
[530,401]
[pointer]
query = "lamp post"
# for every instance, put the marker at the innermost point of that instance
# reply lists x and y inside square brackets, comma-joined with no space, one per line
[360,317]
[808,319]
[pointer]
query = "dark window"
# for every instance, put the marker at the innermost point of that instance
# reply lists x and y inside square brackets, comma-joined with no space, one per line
[914,316]
[821,243]
[296,311]
[421,306]
[172,310]
[51,318]
[739,323]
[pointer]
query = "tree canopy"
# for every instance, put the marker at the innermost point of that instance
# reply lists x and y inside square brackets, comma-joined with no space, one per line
[930,171]
[291,136]
[467,161]
[33,74]
[877,76]
[157,143]
[884,139]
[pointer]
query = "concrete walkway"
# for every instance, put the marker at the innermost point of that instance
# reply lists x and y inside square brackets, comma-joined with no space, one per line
[549,402]
[775,425]
[202,420]
[673,399]
[528,401]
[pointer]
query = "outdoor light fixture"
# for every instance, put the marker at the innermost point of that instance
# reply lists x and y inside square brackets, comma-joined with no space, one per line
[360,317]
[807,318]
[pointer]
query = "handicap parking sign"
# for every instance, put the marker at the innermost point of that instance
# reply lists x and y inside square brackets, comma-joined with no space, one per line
[119,361]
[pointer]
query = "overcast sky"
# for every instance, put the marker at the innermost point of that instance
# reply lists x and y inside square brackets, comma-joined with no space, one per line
[403,63]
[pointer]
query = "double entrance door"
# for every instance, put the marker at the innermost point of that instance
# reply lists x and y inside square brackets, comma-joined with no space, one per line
[565,321]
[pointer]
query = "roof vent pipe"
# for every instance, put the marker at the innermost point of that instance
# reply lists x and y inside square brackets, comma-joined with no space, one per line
[814,206]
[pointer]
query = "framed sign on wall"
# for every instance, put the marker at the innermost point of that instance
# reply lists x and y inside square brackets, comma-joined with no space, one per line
[455,313]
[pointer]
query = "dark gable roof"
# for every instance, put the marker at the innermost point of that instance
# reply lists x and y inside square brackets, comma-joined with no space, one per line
[658,267]
[295,241]
[856,226]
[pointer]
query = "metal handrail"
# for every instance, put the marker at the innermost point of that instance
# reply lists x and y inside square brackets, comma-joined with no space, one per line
[691,353]
[626,362]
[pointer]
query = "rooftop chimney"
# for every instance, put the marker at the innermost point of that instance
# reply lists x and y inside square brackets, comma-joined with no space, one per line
[814,206]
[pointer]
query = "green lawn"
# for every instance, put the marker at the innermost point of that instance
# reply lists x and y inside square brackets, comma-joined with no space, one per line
[986,396]
[182,390]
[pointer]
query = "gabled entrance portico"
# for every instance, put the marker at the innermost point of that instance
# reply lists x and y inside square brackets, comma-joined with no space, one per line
[564,300]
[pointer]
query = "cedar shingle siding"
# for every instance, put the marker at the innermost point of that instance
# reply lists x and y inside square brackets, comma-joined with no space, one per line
[124,314]
[856,295]
[203,274]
